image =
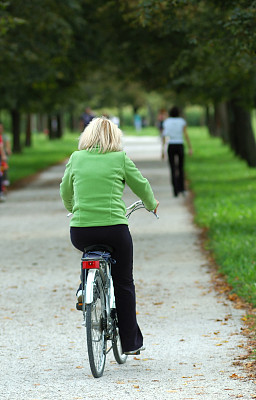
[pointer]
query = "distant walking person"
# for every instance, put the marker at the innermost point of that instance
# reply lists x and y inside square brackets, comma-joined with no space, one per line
[175,128]
[162,115]
[137,121]
[86,118]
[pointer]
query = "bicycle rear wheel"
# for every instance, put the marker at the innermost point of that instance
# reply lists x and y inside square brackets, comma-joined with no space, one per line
[96,328]
[120,357]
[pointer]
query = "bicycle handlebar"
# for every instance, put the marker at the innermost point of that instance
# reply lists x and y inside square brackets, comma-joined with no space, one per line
[136,206]
[133,207]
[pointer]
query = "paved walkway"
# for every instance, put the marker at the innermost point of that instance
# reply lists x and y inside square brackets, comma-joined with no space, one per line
[192,335]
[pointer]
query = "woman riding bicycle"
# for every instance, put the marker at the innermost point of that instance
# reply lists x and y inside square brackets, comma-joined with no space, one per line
[92,189]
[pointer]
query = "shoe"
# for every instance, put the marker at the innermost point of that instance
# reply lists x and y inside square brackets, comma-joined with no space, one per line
[134,352]
[79,294]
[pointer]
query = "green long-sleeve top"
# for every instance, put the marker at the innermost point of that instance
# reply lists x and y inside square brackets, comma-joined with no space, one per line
[93,184]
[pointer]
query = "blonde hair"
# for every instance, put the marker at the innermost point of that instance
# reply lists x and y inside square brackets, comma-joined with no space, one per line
[102,134]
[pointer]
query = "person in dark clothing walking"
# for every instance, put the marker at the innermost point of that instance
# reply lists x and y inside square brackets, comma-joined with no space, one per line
[175,128]
[86,118]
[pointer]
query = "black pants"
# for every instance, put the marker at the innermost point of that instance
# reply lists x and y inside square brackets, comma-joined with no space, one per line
[119,238]
[176,161]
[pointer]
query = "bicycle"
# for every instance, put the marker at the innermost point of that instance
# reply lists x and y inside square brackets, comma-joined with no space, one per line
[98,303]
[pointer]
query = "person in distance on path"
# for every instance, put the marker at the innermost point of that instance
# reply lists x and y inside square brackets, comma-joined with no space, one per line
[92,189]
[175,128]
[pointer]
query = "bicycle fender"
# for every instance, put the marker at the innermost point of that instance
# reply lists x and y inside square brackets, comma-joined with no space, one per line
[111,295]
[89,286]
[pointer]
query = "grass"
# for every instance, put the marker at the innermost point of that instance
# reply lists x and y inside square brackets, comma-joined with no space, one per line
[42,154]
[225,204]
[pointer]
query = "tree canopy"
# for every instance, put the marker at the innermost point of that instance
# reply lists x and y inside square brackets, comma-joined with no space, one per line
[202,51]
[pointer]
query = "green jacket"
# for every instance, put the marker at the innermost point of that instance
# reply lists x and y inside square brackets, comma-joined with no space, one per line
[93,184]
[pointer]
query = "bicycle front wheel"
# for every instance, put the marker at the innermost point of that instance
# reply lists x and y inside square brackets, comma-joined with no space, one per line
[96,328]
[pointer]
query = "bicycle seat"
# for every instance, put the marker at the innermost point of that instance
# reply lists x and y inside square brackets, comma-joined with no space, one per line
[99,247]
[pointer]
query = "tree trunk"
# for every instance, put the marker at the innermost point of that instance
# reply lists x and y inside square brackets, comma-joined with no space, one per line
[71,120]
[40,123]
[59,127]
[209,120]
[120,116]
[221,121]
[15,115]
[28,131]
[51,132]
[241,134]
[152,116]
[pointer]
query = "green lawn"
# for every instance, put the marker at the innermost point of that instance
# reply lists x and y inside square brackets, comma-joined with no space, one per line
[225,203]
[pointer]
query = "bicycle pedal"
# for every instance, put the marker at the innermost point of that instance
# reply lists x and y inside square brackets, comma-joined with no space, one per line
[79,306]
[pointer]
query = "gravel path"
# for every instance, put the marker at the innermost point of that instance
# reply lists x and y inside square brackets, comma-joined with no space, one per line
[192,335]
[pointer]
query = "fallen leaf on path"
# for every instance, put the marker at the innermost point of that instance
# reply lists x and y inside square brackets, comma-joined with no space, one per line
[158,304]
[232,297]
[79,367]
[235,376]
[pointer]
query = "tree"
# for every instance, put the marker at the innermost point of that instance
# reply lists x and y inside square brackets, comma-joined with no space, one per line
[39,57]
[202,50]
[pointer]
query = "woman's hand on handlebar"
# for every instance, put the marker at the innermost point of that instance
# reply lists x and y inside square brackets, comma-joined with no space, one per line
[155,210]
